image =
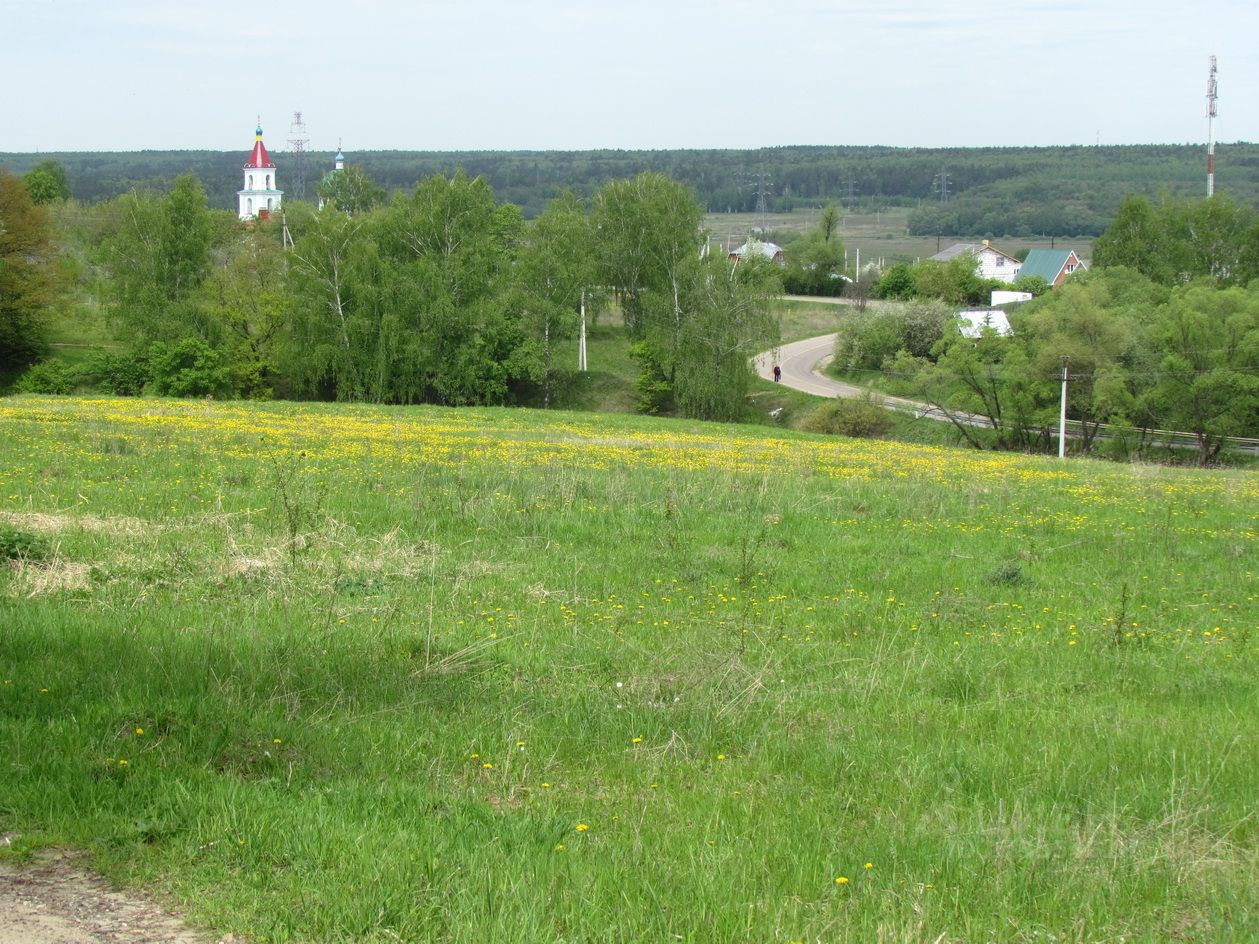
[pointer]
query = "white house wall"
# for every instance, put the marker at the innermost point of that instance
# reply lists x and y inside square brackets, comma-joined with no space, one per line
[994,265]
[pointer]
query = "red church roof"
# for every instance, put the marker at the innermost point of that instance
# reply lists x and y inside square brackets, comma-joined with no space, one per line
[259,157]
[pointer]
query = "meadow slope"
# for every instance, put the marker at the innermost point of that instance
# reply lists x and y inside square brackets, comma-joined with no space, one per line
[332,673]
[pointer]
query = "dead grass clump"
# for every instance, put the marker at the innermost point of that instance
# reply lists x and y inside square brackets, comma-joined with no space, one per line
[391,555]
[53,524]
[32,579]
[237,567]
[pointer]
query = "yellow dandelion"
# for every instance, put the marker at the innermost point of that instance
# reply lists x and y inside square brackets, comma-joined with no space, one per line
[869,865]
[841,880]
[636,741]
[721,756]
[122,763]
[487,766]
[276,741]
[139,730]
[582,827]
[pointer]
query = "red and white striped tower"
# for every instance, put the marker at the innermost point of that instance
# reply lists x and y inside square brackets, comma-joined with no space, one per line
[1211,99]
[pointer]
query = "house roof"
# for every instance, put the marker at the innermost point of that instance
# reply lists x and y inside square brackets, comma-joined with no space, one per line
[1047,263]
[768,250]
[958,249]
[974,320]
[259,157]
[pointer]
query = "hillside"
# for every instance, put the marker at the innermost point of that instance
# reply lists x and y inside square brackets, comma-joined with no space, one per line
[1069,191]
[331,673]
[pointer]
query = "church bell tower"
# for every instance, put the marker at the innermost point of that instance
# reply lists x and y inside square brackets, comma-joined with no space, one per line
[260,196]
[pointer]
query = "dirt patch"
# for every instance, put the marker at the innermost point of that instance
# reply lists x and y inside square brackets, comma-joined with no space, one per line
[54,901]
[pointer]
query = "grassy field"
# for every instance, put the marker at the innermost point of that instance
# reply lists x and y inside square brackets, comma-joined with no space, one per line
[327,673]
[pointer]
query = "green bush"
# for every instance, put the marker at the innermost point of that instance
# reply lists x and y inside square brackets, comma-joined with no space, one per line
[191,368]
[896,283]
[51,377]
[871,338]
[862,418]
[655,393]
[123,375]
[1035,284]
[16,544]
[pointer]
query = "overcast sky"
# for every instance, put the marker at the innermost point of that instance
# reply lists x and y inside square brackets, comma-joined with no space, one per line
[561,74]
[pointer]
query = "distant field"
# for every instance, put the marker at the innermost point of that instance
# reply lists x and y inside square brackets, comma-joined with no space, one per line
[328,673]
[881,236]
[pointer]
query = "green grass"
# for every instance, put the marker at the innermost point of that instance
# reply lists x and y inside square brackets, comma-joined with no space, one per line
[330,673]
[798,320]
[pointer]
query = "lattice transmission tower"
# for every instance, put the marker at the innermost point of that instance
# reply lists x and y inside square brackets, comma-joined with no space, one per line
[297,140]
[762,184]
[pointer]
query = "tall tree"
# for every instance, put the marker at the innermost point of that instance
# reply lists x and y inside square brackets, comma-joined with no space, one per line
[47,182]
[350,189]
[1178,240]
[816,264]
[648,235]
[158,260]
[451,246]
[554,269]
[247,296]
[1208,342]
[323,279]
[730,322]
[29,279]
[1140,238]
[1095,323]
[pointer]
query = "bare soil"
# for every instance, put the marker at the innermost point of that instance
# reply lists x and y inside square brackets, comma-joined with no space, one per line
[55,901]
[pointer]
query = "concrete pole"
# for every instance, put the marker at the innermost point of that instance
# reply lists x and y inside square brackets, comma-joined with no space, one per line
[1062,415]
[581,344]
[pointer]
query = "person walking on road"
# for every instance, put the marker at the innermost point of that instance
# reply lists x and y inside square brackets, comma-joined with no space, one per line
[778,373]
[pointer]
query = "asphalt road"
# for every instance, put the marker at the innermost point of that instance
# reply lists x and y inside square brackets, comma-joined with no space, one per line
[803,364]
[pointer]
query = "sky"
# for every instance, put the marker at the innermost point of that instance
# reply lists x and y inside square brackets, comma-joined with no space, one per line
[555,74]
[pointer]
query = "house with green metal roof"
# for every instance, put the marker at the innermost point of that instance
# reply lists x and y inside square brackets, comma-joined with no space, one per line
[1052,265]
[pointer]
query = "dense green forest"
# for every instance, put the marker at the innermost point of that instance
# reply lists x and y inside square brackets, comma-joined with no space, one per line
[1068,191]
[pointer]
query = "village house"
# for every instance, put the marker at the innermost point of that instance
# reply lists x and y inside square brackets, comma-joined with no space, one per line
[1052,265]
[771,251]
[993,263]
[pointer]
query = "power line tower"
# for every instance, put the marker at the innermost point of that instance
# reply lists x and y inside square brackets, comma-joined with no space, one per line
[941,184]
[762,184]
[298,139]
[1212,96]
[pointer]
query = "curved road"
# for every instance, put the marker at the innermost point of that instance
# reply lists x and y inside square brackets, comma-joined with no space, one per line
[803,364]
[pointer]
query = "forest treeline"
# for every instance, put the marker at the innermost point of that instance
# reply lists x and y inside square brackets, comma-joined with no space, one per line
[1068,191]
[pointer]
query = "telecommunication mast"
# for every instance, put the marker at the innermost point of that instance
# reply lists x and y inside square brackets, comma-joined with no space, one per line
[1212,95]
